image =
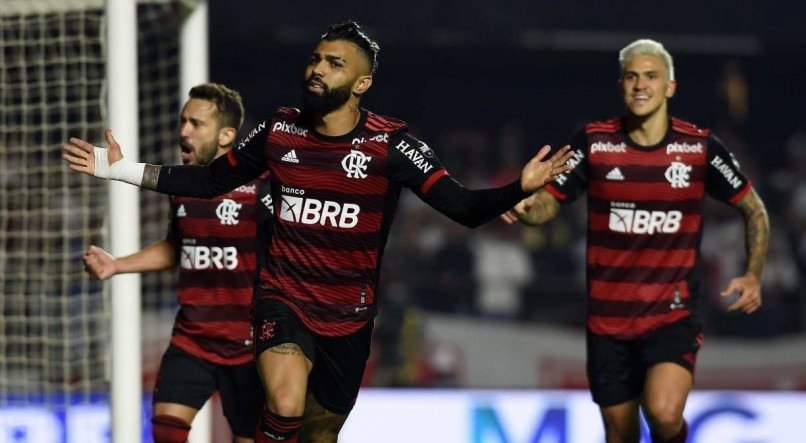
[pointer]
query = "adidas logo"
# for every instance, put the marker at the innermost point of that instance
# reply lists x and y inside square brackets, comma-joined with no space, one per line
[615,174]
[290,157]
[180,211]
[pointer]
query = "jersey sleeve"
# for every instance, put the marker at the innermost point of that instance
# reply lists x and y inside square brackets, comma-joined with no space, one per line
[571,184]
[414,165]
[237,167]
[172,235]
[264,212]
[724,179]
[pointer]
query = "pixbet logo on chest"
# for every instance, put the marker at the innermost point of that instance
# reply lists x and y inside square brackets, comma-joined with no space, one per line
[608,147]
[289,128]
[383,137]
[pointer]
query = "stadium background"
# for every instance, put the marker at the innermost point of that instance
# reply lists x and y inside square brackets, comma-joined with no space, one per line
[485,84]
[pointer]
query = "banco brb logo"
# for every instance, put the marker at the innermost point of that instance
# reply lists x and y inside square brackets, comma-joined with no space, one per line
[355,164]
[311,211]
[638,221]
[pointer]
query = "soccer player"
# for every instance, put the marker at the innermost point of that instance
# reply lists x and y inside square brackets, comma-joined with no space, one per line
[647,174]
[212,241]
[337,171]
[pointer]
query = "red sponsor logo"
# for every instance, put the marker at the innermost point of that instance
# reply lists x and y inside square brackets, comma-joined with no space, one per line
[267,330]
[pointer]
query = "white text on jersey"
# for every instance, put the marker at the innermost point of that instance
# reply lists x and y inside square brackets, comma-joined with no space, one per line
[417,158]
[639,221]
[207,257]
[726,172]
[289,128]
[311,211]
[252,133]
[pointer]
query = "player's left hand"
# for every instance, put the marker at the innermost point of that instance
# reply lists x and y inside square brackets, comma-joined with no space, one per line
[749,288]
[537,172]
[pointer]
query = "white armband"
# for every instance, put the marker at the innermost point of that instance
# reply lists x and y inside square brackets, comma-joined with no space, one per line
[122,170]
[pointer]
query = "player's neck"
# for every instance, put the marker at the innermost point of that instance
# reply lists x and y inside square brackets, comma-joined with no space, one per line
[221,151]
[648,130]
[338,122]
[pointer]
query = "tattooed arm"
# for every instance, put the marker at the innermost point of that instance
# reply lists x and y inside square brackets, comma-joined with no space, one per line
[757,233]
[151,174]
[535,210]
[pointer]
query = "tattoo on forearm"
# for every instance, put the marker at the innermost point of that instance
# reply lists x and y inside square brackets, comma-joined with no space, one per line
[287,349]
[757,232]
[151,174]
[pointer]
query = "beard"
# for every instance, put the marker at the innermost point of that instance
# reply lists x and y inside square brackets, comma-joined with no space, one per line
[202,155]
[330,100]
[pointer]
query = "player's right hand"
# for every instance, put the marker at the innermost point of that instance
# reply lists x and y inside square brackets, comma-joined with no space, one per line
[99,263]
[81,156]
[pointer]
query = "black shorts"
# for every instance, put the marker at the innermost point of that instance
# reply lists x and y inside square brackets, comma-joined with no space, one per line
[188,380]
[338,362]
[617,368]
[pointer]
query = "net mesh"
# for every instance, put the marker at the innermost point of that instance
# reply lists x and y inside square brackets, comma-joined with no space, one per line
[53,330]
[53,317]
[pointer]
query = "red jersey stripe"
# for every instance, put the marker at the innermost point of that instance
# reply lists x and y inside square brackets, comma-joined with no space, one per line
[738,197]
[643,191]
[626,291]
[433,179]
[559,195]
[648,257]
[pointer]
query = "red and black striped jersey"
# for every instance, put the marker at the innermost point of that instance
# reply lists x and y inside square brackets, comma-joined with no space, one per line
[645,220]
[218,258]
[335,198]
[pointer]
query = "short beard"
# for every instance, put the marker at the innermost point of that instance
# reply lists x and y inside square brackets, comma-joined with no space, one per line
[206,156]
[330,100]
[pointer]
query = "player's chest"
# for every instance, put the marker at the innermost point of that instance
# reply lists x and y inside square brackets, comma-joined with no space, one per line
[672,172]
[347,167]
[229,210]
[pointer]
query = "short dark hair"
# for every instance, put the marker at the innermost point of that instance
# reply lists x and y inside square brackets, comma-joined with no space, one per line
[227,101]
[351,31]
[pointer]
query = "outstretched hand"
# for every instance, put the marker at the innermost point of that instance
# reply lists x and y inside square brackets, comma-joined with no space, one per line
[537,172]
[80,155]
[749,288]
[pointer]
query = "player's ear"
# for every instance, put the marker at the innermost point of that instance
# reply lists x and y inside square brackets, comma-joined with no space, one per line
[620,86]
[226,136]
[671,87]
[362,84]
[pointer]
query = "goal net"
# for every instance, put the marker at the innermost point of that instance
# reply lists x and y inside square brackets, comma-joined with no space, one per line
[53,317]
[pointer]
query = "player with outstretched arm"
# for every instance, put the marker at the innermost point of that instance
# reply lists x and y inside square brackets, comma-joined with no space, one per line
[212,242]
[337,171]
